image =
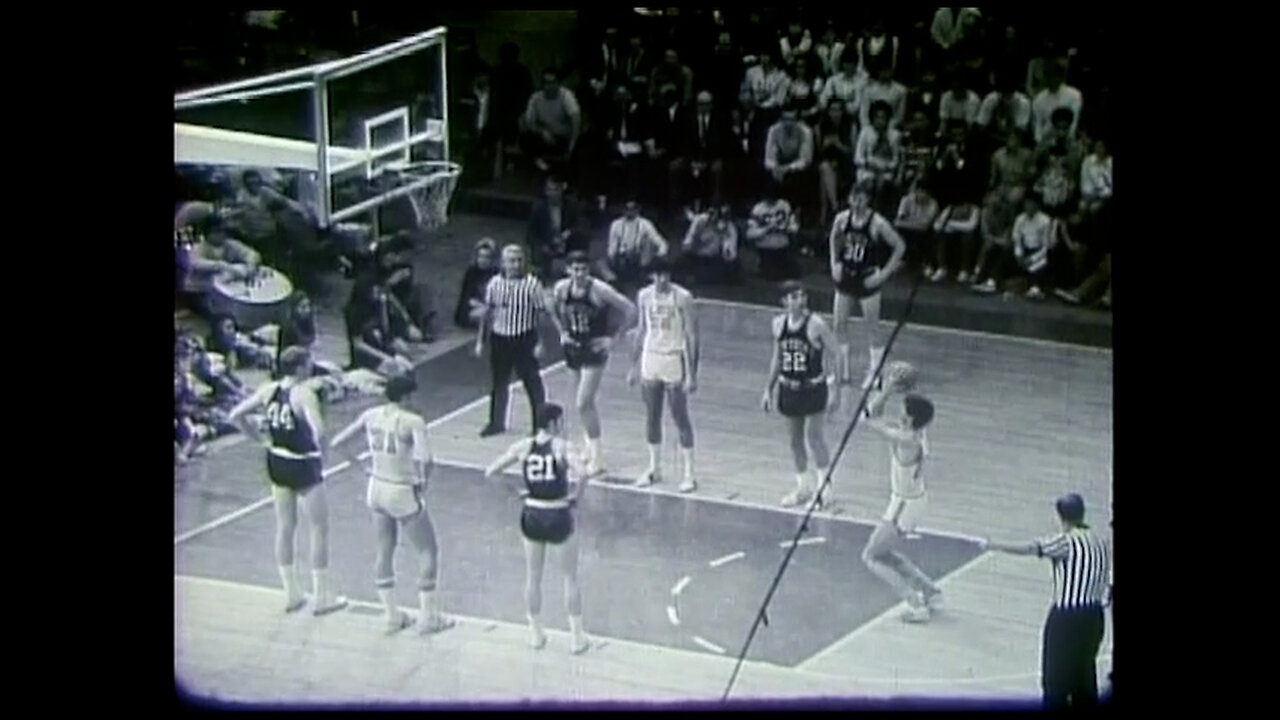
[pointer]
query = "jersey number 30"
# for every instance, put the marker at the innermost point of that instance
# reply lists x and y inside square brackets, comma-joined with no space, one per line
[280,417]
[540,468]
[794,361]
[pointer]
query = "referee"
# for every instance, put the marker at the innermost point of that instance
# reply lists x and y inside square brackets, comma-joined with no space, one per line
[1074,628]
[513,305]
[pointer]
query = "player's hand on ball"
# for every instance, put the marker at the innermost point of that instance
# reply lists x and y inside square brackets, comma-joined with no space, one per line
[766,401]
[901,376]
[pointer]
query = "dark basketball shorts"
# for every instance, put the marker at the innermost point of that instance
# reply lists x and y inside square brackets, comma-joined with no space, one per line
[802,401]
[296,474]
[855,286]
[551,526]
[580,355]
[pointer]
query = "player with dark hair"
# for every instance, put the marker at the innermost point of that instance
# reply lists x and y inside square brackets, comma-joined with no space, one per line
[586,312]
[294,430]
[400,463]
[550,496]
[805,388]
[907,501]
[859,266]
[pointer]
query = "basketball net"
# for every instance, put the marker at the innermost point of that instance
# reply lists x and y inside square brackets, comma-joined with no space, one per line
[429,187]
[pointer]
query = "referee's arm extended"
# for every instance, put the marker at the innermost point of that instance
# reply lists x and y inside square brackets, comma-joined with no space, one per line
[486,317]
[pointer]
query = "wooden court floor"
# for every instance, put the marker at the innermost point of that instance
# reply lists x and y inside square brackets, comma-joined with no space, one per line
[1018,423]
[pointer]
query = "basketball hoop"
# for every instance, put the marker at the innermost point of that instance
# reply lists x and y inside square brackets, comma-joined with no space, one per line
[429,187]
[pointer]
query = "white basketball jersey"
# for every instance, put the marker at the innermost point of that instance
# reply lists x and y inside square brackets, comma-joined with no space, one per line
[664,319]
[907,480]
[396,439]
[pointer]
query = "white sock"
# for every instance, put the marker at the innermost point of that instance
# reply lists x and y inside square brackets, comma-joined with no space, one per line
[534,623]
[819,474]
[387,596]
[687,453]
[844,360]
[290,582]
[426,603]
[654,451]
[575,626]
[877,353]
[801,480]
[320,581]
[593,450]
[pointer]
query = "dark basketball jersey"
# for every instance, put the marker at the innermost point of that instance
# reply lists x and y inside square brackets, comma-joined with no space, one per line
[800,359]
[288,430]
[861,254]
[585,319]
[545,476]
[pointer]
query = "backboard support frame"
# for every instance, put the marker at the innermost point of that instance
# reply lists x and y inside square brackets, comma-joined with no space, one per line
[331,159]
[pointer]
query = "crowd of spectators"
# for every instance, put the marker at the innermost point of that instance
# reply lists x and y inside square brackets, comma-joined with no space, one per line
[966,122]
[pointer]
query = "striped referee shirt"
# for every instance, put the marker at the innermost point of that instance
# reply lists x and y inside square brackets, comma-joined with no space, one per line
[515,304]
[1081,567]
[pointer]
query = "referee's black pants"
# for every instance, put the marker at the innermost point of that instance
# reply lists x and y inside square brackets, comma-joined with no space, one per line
[1069,657]
[514,352]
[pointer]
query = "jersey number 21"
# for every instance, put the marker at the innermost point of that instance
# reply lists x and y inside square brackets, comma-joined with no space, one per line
[540,468]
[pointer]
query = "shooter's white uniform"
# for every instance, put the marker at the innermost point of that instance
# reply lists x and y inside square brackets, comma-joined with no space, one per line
[397,439]
[662,356]
[907,497]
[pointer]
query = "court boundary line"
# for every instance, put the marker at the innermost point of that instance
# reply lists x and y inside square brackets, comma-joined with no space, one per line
[602,642]
[942,329]
[256,505]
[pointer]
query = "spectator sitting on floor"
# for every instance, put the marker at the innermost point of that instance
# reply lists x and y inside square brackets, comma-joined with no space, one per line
[770,230]
[470,307]
[379,338]
[298,329]
[552,123]
[214,254]
[1013,165]
[996,256]
[1032,238]
[788,157]
[412,300]
[254,215]
[917,212]
[633,244]
[710,248]
[556,226]
[239,349]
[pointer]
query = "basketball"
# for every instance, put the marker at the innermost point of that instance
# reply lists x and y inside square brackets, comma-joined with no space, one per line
[901,375]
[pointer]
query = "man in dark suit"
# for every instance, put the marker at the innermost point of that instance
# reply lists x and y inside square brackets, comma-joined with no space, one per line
[557,226]
[698,166]
[477,133]
[663,143]
[622,130]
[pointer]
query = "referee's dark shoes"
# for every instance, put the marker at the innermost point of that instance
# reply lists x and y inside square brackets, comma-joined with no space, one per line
[1074,628]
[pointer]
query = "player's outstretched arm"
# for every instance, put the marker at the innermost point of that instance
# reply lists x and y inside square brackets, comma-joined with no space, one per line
[256,400]
[349,431]
[507,459]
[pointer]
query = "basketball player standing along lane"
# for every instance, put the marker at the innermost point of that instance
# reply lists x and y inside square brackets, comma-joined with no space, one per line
[294,431]
[907,501]
[547,518]
[796,370]
[400,463]
[666,351]
[858,238]
[581,313]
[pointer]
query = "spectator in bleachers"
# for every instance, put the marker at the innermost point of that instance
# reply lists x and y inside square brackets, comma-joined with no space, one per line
[298,329]
[914,220]
[923,96]
[918,149]
[1032,238]
[878,156]
[770,230]
[477,132]
[512,86]
[883,88]
[556,226]
[213,253]
[845,86]
[637,66]
[1001,209]
[1005,110]
[836,133]
[796,43]
[830,51]
[552,123]
[1056,95]
[744,150]
[633,244]
[1013,165]
[671,73]
[1095,179]
[710,248]
[662,145]
[483,266]
[601,72]
[724,71]
[698,165]
[788,158]
[1038,65]
[407,296]
[1057,164]
[768,84]
[958,183]
[959,104]
[804,90]
[951,26]
[876,46]
[378,337]
[622,129]
[240,349]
